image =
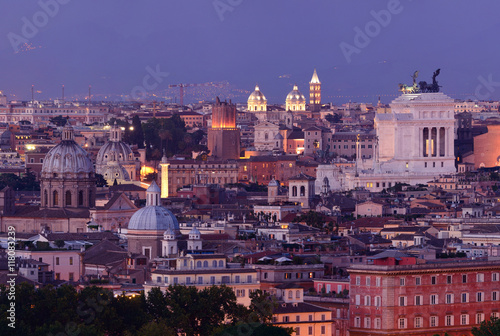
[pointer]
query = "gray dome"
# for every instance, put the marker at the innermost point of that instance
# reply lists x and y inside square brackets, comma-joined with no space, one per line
[154,218]
[273,183]
[114,151]
[67,157]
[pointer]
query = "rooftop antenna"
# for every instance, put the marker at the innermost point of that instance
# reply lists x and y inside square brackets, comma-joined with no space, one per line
[32,93]
[63,92]
[90,96]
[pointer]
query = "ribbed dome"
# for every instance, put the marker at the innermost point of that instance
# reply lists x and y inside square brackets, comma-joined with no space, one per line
[67,157]
[257,96]
[114,151]
[155,218]
[295,96]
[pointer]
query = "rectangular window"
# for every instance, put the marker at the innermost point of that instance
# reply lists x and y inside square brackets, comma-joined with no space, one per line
[418,300]
[71,276]
[57,260]
[401,281]
[297,318]
[310,331]
[176,281]
[402,323]
[358,300]
[310,318]
[285,318]
[368,281]
[358,280]
[200,280]
[449,298]
[494,296]
[494,276]
[323,317]
[434,299]
[480,296]
[418,322]
[368,322]
[479,318]
[465,297]
[158,279]
[434,321]
[448,320]
[323,330]
[237,279]
[464,278]
[402,301]
[418,281]
[249,279]
[480,277]
[464,319]
[448,279]
[367,300]
[378,323]
[188,280]
[297,331]
[433,280]
[377,282]
[357,322]
[378,301]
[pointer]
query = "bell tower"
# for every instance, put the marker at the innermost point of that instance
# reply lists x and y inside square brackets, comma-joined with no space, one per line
[315,93]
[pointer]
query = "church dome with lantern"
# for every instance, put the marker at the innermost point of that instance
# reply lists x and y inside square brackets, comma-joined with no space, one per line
[153,217]
[149,225]
[115,160]
[257,101]
[67,177]
[295,101]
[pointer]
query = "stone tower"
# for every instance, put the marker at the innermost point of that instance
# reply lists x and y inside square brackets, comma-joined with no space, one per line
[224,136]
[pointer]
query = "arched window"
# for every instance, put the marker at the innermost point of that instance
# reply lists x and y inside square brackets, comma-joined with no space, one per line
[91,204]
[205,263]
[294,191]
[266,136]
[198,264]
[45,198]
[55,198]
[297,294]
[214,263]
[68,197]
[290,294]
[302,191]
[221,263]
[80,197]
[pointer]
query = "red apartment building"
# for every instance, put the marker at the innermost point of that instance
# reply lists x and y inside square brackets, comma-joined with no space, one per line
[394,297]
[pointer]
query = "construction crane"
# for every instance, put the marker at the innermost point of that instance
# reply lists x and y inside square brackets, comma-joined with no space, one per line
[182,86]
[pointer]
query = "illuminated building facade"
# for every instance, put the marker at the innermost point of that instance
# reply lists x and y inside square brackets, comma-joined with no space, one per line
[393,297]
[224,136]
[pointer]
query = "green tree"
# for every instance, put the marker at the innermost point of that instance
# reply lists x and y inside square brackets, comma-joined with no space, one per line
[100,181]
[254,329]
[137,134]
[334,118]
[489,327]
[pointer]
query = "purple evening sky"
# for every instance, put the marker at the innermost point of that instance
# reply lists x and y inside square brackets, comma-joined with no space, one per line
[361,49]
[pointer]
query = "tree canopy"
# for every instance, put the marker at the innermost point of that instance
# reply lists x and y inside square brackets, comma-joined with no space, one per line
[489,327]
[26,183]
[96,311]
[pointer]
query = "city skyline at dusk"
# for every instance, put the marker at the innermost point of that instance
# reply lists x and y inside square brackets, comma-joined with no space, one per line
[360,52]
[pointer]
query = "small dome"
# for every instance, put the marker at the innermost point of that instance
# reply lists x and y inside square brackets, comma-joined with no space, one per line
[169,234]
[273,183]
[295,97]
[154,218]
[153,188]
[257,96]
[195,231]
[67,157]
